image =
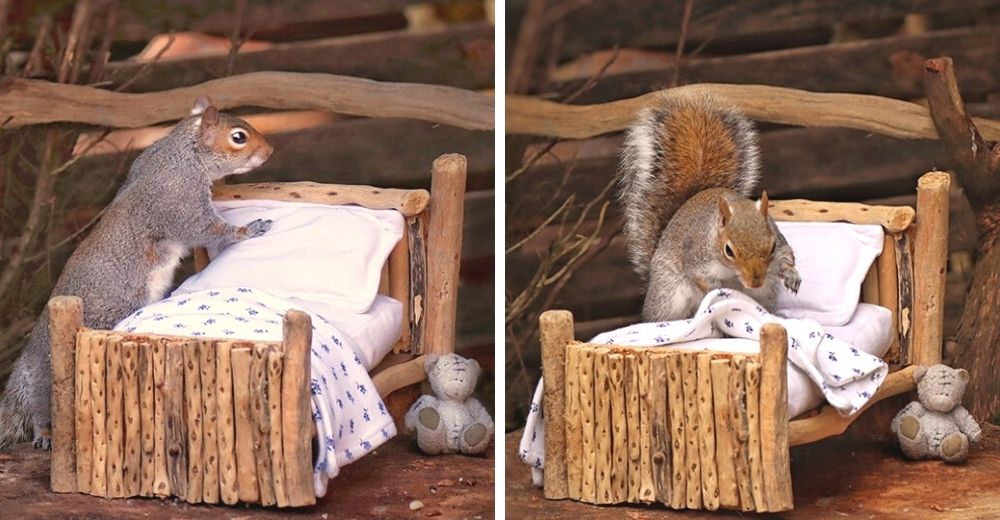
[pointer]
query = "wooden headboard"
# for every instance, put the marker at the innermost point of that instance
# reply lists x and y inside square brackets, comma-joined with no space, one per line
[424,262]
[908,278]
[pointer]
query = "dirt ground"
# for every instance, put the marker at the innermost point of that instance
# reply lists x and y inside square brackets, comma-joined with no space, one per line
[830,479]
[381,485]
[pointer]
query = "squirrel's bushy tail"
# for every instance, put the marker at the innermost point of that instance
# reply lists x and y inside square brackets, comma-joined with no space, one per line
[683,144]
[14,419]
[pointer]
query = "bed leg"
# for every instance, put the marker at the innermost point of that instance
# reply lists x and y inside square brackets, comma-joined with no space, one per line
[774,417]
[556,332]
[296,420]
[930,257]
[65,320]
[444,252]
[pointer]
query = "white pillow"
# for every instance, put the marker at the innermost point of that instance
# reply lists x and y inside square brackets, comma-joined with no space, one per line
[332,254]
[833,259]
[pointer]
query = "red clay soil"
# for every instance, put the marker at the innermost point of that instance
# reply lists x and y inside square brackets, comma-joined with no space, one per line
[381,485]
[831,479]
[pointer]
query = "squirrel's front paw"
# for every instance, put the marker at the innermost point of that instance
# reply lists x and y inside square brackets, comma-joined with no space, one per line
[257,228]
[790,275]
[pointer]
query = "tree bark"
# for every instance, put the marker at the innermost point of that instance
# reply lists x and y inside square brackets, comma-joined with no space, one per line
[977,166]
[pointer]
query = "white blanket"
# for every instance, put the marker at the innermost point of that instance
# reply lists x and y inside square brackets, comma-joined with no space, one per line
[351,419]
[846,376]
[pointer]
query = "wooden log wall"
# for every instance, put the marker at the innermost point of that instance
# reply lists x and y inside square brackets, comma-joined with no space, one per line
[200,420]
[801,44]
[690,430]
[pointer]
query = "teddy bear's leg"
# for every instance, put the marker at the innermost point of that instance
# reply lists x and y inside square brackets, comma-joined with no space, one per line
[474,438]
[955,448]
[912,438]
[424,418]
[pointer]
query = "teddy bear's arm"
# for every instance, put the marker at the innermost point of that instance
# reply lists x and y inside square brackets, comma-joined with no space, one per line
[479,412]
[967,425]
[914,409]
[410,421]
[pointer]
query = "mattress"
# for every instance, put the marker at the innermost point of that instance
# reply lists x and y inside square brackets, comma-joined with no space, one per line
[375,332]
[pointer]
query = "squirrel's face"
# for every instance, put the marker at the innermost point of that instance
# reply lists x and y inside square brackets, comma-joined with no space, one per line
[745,243]
[236,145]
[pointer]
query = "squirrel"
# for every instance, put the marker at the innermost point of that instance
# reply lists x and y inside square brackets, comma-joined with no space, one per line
[688,166]
[128,260]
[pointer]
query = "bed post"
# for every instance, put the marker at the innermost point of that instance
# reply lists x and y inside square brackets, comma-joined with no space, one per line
[774,417]
[930,257]
[556,329]
[65,320]
[296,416]
[444,252]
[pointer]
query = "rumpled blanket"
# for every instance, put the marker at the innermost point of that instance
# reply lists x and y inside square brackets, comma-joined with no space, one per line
[847,376]
[351,419]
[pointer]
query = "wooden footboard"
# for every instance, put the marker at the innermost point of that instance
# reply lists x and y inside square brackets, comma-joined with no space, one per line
[688,429]
[204,420]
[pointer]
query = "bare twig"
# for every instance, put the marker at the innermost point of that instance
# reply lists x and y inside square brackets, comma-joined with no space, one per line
[526,48]
[34,62]
[236,39]
[685,21]
[104,52]
[75,42]
[591,81]
[550,219]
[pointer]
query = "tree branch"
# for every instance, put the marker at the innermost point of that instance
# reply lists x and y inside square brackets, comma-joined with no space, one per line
[976,162]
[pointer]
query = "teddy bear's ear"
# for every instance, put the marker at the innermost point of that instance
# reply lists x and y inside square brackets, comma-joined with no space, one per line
[963,374]
[919,374]
[429,363]
[476,369]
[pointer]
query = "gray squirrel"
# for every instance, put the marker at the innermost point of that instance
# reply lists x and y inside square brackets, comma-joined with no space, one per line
[687,167]
[163,208]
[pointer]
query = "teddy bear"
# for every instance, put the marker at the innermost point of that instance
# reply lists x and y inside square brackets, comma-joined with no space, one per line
[450,421]
[937,425]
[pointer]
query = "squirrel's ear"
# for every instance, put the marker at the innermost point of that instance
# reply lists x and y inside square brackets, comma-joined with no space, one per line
[762,204]
[200,104]
[725,210]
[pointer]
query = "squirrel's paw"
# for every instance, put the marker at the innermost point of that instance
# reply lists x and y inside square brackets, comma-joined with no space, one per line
[790,275]
[43,442]
[257,228]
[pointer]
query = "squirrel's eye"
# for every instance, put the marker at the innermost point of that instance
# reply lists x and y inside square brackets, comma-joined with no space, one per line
[238,137]
[729,251]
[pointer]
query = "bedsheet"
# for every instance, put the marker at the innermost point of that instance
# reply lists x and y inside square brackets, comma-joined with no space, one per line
[351,418]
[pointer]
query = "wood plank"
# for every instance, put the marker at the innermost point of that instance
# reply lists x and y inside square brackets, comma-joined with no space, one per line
[261,421]
[880,66]
[574,422]
[84,414]
[210,421]
[618,428]
[115,419]
[132,462]
[175,427]
[147,412]
[588,424]
[678,438]
[98,392]
[246,466]
[738,417]
[65,320]
[753,436]
[161,480]
[774,417]
[661,456]
[632,427]
[275,364]
[645,386]
[556,329]
[692,429]
[603,427]
[725,434]
[707,433]
[648,23]
[193,423]
[459,55]
[226,424]
[296,419]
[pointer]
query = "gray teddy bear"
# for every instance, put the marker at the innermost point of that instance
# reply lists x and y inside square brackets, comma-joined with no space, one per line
[450,421]
[937,426]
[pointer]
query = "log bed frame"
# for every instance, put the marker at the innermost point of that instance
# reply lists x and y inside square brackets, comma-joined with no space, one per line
[710,430]
[212,420]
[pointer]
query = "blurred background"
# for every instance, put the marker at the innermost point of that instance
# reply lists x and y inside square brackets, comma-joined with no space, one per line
[564,248]
[55,179]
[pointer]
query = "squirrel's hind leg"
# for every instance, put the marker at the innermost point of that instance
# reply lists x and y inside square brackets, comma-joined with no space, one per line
[670,296]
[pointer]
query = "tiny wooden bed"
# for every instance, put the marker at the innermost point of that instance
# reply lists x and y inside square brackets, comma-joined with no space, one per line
[211,420]
[710,430]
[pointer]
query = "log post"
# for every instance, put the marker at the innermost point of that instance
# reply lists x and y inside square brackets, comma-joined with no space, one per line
[647,482]
[930,259]
[161,480]
[725,435]
[588,424]
[444,252]
[706,434]
[602,426]
[691,429]
[132,465]
[98,373]
[556,329]
[247,487]
[774,417]
[618,428]
[65,320]
[193,421]
[147,417]
[210,418]
[660,446]
[296,419]
[574,422]
[753,437]
[226,423]
[678,442]
[116,422]
[888,291]
[275,363]
[84,413]
[261,421]
[741,428]
[173,417]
